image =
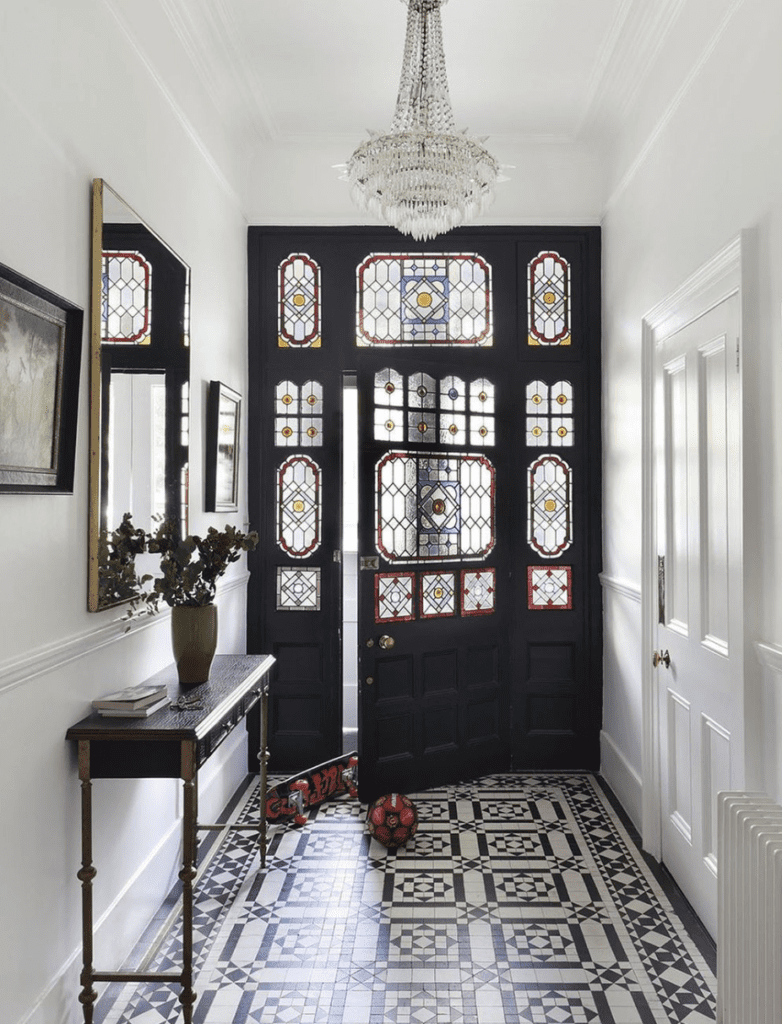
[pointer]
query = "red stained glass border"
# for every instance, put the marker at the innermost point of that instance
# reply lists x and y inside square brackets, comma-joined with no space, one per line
[541,338]
[315,332]
[435,615]
[462,591]
[295,553]
[550,569]
[395,576]
[114,254]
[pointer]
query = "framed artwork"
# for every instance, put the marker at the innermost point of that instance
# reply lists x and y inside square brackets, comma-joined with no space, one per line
[222,448]
[40,362]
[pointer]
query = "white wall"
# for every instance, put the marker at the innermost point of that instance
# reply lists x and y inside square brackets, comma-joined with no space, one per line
[78,100]
[696,164]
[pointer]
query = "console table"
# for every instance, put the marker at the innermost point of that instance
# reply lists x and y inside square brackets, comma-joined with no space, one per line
[169,744]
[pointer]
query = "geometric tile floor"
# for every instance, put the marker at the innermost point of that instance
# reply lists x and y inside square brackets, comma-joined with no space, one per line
[520,900]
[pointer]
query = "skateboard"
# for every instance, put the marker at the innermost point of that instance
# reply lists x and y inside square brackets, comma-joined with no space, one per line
[291,798]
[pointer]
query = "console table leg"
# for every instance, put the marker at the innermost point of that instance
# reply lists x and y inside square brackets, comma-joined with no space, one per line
[187,996]
[263,757]
[88,995]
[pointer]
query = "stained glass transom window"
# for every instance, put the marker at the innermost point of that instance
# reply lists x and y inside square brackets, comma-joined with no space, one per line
[478,592]
[434,506]
[299,506]
[424,299]
[548,300]
[424,410]
[549,414]
[298,590]
[298,420]
[549,517]
[437,594]
[298,299]
[394,597]
[549,587]
[126,298]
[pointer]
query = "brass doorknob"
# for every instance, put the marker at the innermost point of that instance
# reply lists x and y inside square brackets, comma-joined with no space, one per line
[661,657]
[386,642]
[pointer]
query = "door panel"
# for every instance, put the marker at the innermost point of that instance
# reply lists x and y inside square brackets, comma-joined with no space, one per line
[493,607]
[699,538]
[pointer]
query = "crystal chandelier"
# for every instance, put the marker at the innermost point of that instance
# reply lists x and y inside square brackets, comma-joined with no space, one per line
[423,176]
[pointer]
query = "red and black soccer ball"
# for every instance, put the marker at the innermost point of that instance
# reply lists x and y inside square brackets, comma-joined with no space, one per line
[392,820]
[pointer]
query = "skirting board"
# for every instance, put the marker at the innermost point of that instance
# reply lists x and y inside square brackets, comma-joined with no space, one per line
[623,779]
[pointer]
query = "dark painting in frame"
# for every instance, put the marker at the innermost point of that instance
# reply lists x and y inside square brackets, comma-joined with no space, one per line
[40,363]
[222,448]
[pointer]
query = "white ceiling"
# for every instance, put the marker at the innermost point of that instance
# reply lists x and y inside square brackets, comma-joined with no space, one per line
[291,69]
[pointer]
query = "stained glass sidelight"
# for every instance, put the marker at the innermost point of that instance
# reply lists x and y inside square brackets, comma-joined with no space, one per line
[549,587]
[547,426]
[299,506]
[548,300]
[298,297]
[296,423]
[434,506]
[549,518]
[424,299]
[433,411]
[126,298]
[478,590]
[394,597]
[437,594]
[298,590]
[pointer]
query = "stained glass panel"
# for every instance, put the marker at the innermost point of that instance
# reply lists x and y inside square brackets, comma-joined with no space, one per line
[421,427]
[424,299]
[437,594]
[453,428]
[546,427]
[298,590]
[434,506]
[389,388]
[389,425]
[311,432]
[561,432]
[452,395]
[549,523]
[286,432]
[126,285]
[421,391]
[286,398]
[549,587]
[562,397]
[478,590]
[537,431]
[299,302]
[299,506]
[394,596]
[312,397]
[548,300]
[537,398]
[482,396]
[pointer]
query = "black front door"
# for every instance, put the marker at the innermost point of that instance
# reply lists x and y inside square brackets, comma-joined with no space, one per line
[477,360]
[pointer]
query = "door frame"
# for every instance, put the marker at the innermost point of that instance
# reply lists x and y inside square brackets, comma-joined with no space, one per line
[715,281]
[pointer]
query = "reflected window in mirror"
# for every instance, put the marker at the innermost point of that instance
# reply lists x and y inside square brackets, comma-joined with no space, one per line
[139,392]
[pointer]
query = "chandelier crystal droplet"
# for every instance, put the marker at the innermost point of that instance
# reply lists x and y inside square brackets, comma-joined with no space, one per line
[423,176]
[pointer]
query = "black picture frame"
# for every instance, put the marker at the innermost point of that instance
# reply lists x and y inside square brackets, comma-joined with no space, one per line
[223,421]
[40,367]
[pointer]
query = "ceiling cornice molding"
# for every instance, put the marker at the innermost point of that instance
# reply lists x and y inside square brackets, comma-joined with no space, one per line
[206,27]
[181,116]
[633,43]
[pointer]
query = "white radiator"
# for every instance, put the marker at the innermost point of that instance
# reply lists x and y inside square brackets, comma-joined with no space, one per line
[749,938]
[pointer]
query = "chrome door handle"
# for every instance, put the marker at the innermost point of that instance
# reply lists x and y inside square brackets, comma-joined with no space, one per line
[386,642]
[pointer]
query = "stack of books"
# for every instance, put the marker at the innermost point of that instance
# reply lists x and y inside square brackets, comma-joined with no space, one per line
[132,702]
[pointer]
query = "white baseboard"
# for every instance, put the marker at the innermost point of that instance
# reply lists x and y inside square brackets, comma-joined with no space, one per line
[623,779]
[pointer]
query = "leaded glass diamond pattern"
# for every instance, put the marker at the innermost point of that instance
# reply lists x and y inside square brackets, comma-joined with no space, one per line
[549,523]
[299,507]
[548,300]
[394,597]
[298,302]
[434,506]
[298,590]
[478,592]
[549,587]
[437,595]
[424,299]
[126,298]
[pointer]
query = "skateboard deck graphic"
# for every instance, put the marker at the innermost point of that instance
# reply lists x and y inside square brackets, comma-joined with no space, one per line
[291,798]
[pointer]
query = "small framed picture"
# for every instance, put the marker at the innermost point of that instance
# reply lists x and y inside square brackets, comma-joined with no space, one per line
[222,448]
[40,363]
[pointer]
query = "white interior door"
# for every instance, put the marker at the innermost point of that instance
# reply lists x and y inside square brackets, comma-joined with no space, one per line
[698,539]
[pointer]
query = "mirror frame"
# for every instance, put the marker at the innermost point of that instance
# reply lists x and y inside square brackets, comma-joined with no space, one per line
[99,188]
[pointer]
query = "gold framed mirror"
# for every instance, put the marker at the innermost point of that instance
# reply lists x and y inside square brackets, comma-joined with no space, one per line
[139,384]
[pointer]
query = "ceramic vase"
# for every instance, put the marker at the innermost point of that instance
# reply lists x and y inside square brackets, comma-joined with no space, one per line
[194,640]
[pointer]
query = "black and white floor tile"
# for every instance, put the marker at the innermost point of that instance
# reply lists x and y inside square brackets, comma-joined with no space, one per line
[520,900]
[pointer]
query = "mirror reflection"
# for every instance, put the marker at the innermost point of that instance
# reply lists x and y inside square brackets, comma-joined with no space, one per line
[139,385]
